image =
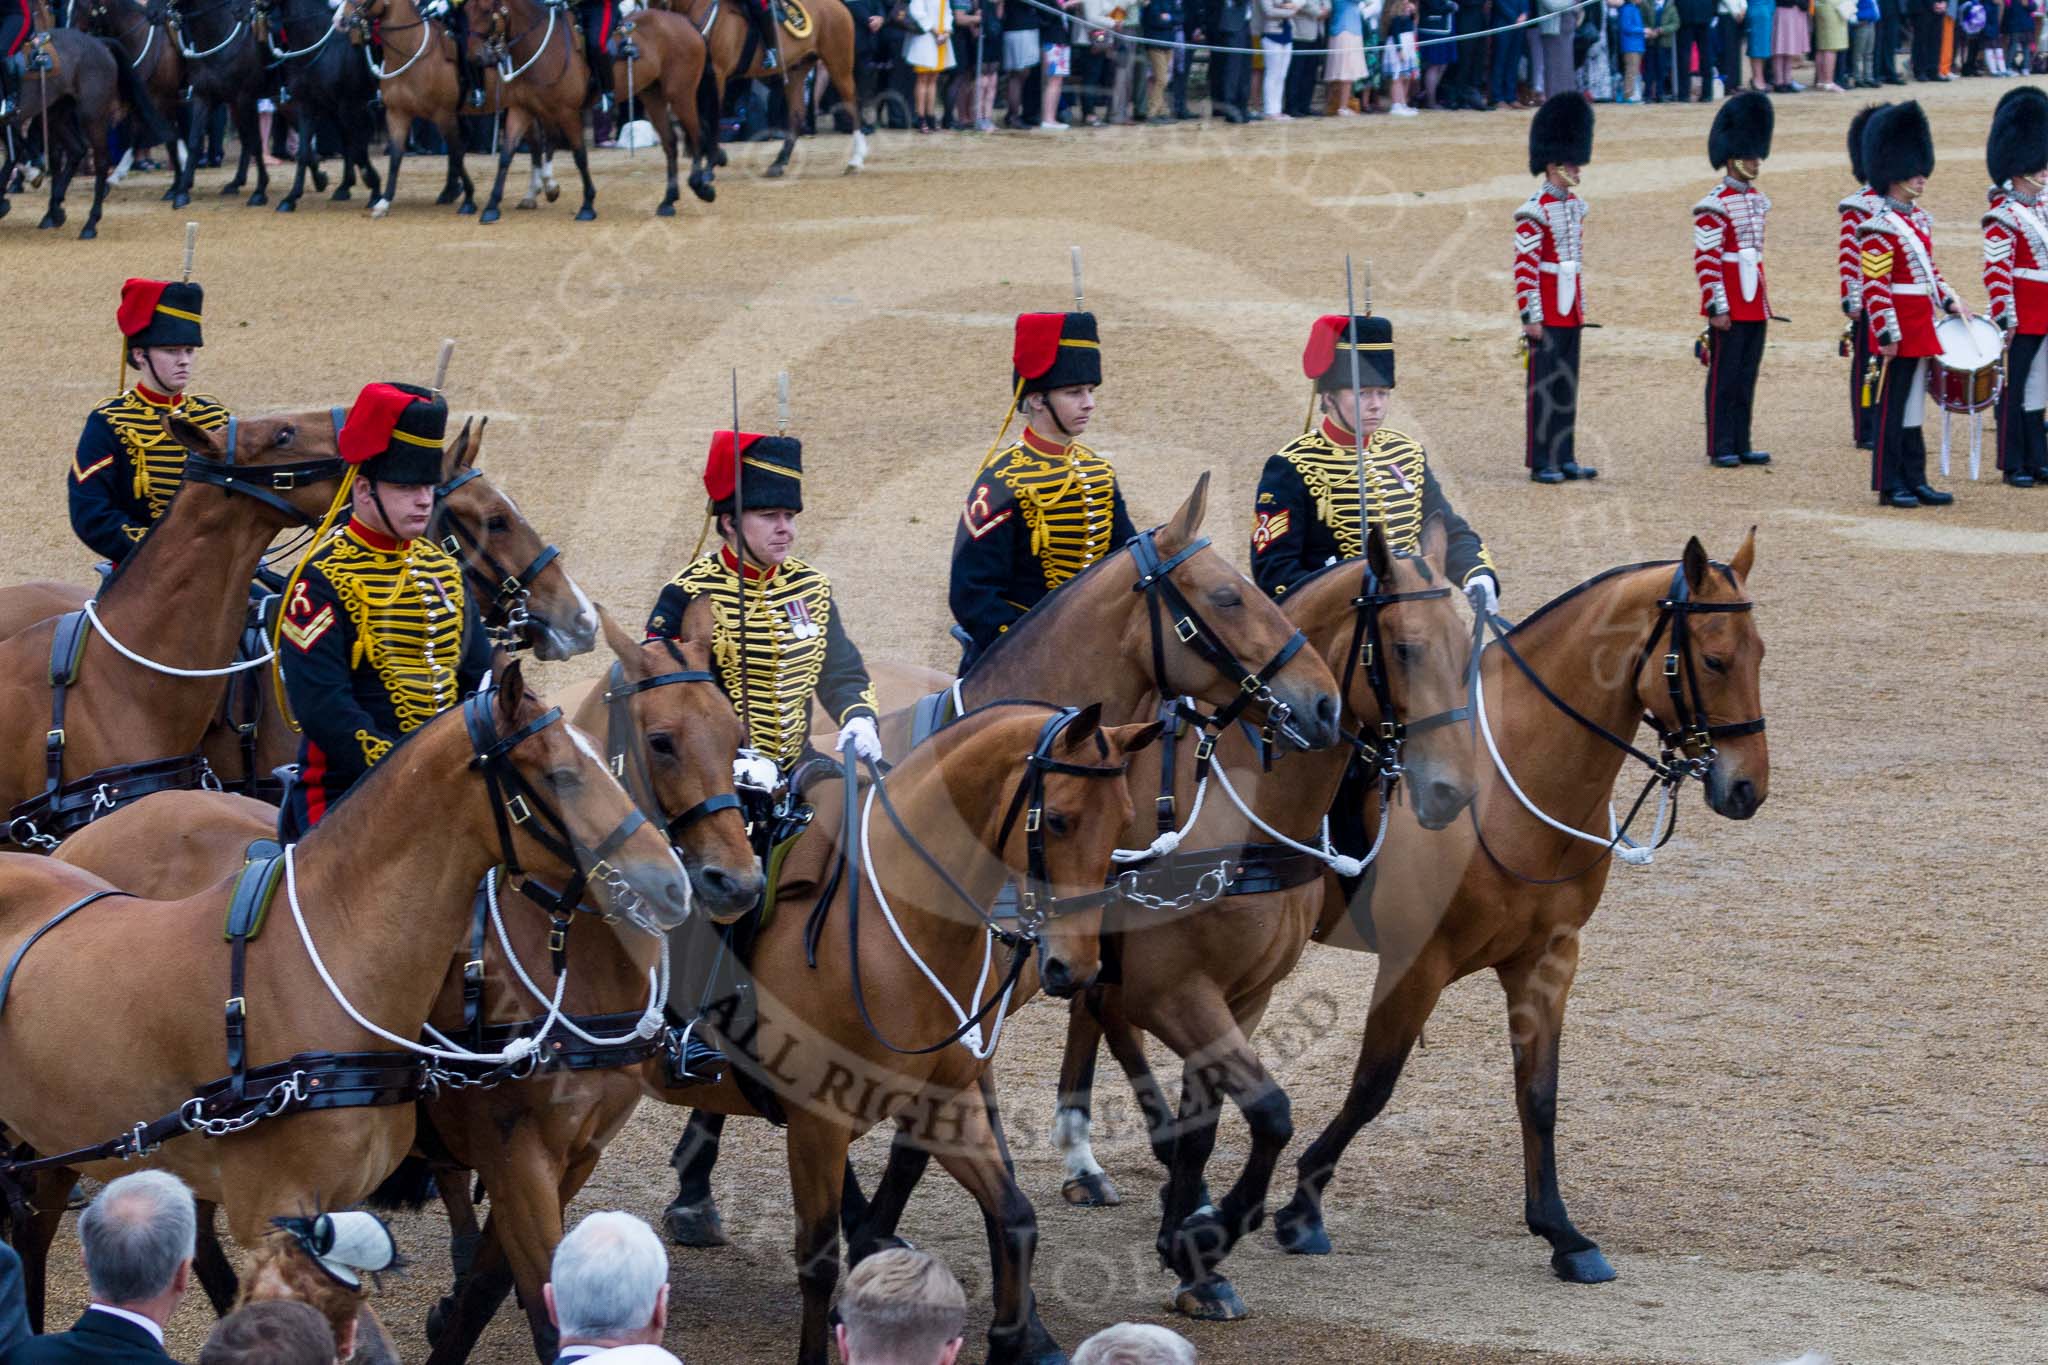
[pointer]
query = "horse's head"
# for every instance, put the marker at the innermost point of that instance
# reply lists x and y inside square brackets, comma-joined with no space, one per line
[1228,627]
[687,734]
[565,813]
[1082,803]
[296,456]
[358,14]
[518,579]
[1701,680]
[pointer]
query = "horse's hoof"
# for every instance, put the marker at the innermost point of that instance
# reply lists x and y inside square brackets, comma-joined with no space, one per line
[1300,1234]
[1091,1191]
[180,200]
[1582,1267]
[722,159]
[437,1319]
[5,208]
[586,214]
[695,1225]
[1212,1300]
[489,215]
[529,202]
[319,179]
[852,168]
[704,189]
[380,208]
[170,194]
[87,233]
[775,170]
[341,196]
[258,199]
[468,207]
[554,192]
[287,206]
[232,187]
[667,209]
[54,219]
[447,196]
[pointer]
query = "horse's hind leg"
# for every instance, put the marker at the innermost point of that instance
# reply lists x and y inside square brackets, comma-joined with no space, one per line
[874,1227]
[654,108]
[792,92]
[458,1321]
[817,1166]
[395,126]
[210,1263]
[304,166]
[249,129]
[1391,1028]
[98,138]
[692,1218]
[1086,1184]
[516,123]
[581,155]
[977,1160]
[48,1193]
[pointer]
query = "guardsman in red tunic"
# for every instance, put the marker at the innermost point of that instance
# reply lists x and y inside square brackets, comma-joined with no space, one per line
[1728,262]
[1549,293]
[1849,268]
[2016,278]
[1903,296]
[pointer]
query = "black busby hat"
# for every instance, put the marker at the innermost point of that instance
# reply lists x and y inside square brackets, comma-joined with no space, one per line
[1333,340]
[2018,142]
[1897,145]
[1561,134]
[768,471]
[1055,351]
[161,313]
[1742,129]
[396,433]
[1857,125]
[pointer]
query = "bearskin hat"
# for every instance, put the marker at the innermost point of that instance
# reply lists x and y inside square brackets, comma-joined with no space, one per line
[1897,145]
[1742,129]
[2018,142]
[1331,342]
[1857,125]
[1561,134]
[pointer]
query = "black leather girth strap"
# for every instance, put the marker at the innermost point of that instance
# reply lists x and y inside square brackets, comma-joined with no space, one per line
[14,963]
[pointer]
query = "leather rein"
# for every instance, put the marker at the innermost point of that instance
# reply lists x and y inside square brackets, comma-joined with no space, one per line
[504,594]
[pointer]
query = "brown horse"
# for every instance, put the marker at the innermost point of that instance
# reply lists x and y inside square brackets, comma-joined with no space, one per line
[148,48]
[541,82]
[177,606]
[378,901]
[1198,970]
[1676,644]
[416,80]
[666,73]
[829,43]
[72,106]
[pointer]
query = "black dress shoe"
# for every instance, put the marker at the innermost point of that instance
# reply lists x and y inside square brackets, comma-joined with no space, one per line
[1898,497]
[1932,496]
[1573,470]
[691,1060]
[1729,460]
[2020,480]
[2040,477]
[1755,457]
[1546,475]
[1866,444]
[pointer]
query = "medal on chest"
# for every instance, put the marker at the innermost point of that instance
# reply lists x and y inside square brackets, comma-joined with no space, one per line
[797,620]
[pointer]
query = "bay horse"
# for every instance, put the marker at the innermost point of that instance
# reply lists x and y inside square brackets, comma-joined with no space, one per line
[143,36]
[378,903]
[1672,645]
[326,85]
[1135,652]
[729,39]
[223,65]
[666,74]
[177,607]
[417,79]
[75,105]
[541,82]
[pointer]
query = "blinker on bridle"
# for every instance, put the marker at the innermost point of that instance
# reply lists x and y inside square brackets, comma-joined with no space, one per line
[264,483]
[1368,649]
[507,619]
[1692,736]
[628,760]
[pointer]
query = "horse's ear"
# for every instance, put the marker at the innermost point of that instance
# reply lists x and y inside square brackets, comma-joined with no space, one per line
[1181,529]
[1378,557]
[197,439]
[1745,556]
[1082,727]
[1131,738]
[511,691]
[1695,562]
[631,656]
[1436,540]
[461,452]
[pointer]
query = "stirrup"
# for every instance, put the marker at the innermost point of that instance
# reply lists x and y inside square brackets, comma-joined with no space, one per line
[689,1060]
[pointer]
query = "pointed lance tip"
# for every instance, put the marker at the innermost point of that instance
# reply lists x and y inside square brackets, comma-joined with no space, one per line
[441,363]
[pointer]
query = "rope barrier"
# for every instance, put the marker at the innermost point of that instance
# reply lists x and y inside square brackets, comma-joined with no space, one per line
[1139,40]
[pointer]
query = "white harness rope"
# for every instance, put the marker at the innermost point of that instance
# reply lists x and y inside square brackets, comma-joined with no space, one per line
[508,75]
[428,33]
[233,34]
[240,666]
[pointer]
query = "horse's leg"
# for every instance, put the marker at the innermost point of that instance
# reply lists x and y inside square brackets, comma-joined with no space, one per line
[846,81]
[395,126]
[210,1263]
[452,1183]
[459,1320]
[1086,1184]
[581,156]
[249,128]
[303,166]
[654,108]
[362,130]
[241,176]
[533,176]
[1537,983]
[188,151]
[710,110]
[517,121]
[457,142]
[875,1229]
[692,1218]
[48,1193]
[97,137]
[526,1208]
[792,92]
[66,148]
[817,1165]
[976,1159]
[1391,1028]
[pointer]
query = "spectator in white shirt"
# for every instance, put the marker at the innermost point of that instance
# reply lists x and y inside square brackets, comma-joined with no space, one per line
[607,1293]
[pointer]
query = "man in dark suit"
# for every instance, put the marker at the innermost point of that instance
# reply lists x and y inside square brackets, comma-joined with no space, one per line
[138,1237]
[1927,16]
[1886,42]
[1230,73]
[13,1307]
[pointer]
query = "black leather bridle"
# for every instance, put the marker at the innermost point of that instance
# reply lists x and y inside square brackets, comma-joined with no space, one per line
[265,483]
[626,744]
[1368,650]
[501,595]
[1163,597]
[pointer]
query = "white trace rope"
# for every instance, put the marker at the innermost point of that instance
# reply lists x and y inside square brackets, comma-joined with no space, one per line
[428,35]
[1170,840]
[1341,864]
[509,76]
[1140,41]
[241,666]
[326,32]
[515,1051]
[1625,848]
[971,1040]
[233,34]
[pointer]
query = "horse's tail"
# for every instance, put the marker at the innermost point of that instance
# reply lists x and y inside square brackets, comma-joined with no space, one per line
[135,95]
[408,1188]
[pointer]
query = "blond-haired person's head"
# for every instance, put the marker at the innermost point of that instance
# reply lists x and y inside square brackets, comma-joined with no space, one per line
[1136,1343]
[900,1307]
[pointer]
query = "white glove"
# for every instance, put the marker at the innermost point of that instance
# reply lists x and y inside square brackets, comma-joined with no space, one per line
[1485,594]
[755,772]
[866,740]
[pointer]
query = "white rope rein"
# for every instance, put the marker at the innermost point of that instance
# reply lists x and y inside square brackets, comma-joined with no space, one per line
[508,76]
[971,1040]
[240,666]
[428,33]
[517,1050]
[1626,849]
[651,1020]
[1170,840]
[1341,864]
[233,34]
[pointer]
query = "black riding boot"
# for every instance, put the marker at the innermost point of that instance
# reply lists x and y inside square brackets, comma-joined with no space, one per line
[601,72]
[764,30]
[10,84]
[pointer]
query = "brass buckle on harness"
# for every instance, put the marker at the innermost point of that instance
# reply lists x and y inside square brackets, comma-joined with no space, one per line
[236,1007]
[558,938]
[284,481]
[55,737]
[518,810]
[1206,746]
[1365,655]
[1032,818]
[1670,665]
[1184,628]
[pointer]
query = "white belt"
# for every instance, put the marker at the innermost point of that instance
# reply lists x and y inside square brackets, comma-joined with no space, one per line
[1746,261]
[1567,273]
[1910,289]
[2028,273]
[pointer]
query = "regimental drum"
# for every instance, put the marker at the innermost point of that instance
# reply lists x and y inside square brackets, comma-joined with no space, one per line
[1966,378]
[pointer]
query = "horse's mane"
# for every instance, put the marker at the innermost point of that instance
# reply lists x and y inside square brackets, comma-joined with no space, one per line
[1040,615]
[1597,579]
[381,771]
[1421,564]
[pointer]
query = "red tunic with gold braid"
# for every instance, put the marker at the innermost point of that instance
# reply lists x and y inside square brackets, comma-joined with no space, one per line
[1903,291]
[1728,251]
[1848,252]
[2016,266]
[1548,234]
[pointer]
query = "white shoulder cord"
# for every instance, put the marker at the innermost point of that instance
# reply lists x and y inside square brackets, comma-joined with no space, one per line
[1626,849]
[240,666]
[518,1049]
[651,1020]
[971,1040]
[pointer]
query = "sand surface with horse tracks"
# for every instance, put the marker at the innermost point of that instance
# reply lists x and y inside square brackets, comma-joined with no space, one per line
[1804,1094]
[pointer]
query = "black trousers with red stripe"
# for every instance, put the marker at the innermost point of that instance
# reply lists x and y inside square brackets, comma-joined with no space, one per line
[14,26]
[2022,443]
[1552,409]
[1733,358]
[1898,459]
[1859,365]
